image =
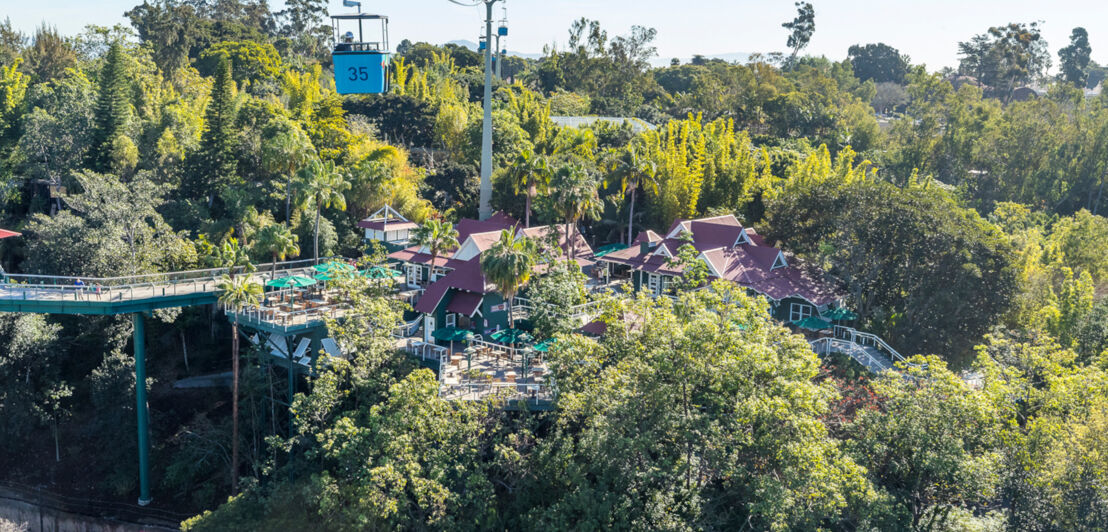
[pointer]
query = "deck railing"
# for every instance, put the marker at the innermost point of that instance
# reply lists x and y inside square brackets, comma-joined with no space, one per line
[869,340]
[132,287]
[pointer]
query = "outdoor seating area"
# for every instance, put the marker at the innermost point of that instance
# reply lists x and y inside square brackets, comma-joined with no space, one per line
[482,370]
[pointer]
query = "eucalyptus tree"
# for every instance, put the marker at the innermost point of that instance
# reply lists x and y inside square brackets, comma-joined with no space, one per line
[235,294]
[436,236]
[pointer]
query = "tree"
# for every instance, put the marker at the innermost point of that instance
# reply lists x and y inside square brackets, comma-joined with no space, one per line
[630,170]
[529,174]
[285,150]
[216,162]
[879,62]
[800,29]
[573,195]
[436,236]
[278,241]
[49,54]
[12,42]
[1005,57]
[1074,58]
[508,264]
[325,187]
[113,108]
[236,293]
[930,445]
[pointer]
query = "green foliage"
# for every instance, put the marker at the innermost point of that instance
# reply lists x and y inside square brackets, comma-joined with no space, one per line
[215,164]
[1074,58]
[113,109]
[800,28]
[1005,57]
[49,54]
[508,264]
[436,236]
[879,62]
[552,294]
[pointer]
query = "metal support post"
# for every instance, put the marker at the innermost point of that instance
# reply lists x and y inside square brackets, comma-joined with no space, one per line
[141,409]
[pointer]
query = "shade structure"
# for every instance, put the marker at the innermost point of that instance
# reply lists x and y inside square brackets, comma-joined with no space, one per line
[510,336]
[450,334]
[813,323]
[839,313]
[610,248]
[545,345]
[333,266]
[292,281]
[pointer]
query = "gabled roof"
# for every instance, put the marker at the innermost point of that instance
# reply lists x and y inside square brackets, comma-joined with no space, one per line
[497,222]
[465,303]
[467,276]
[731,252]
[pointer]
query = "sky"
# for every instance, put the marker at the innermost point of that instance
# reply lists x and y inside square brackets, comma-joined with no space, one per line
[927,30]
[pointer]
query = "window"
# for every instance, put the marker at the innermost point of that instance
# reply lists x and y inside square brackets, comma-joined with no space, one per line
[654,283]
[799,311]
[779,262]
[451,319]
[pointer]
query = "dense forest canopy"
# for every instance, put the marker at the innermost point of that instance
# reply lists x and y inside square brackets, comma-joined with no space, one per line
[959,211]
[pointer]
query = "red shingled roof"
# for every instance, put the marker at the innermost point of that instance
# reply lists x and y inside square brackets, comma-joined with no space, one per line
[465,303]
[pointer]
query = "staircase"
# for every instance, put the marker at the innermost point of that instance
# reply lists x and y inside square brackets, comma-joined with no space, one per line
[867,349]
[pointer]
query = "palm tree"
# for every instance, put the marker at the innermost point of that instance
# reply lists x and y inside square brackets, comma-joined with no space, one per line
[436,236]
[529,174]
[325,187]
[508,265]
[236,293]
[231,256]
[631,171]
[285,153]
[574,192]
[278,241]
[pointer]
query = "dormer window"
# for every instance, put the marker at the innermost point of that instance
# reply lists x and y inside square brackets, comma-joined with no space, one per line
[779,262]
[743,239]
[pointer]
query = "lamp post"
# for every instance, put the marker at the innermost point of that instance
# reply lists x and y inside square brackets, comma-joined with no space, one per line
[485,209]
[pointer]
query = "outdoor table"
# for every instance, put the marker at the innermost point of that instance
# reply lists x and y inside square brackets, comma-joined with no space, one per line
[510,376]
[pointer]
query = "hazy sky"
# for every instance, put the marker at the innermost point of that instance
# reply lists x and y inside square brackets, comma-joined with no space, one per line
[927,30]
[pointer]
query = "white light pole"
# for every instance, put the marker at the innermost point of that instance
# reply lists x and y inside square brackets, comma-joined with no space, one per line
[485,209]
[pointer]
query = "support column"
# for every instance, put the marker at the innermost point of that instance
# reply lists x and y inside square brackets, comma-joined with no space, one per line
[141,409]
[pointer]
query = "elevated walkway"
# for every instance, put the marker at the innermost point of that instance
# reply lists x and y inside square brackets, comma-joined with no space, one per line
[867,349]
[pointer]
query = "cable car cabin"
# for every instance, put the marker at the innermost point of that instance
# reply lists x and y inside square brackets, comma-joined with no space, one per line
[361,67]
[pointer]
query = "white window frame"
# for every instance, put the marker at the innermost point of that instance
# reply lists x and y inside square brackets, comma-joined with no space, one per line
[413,274]
[654,283]
[451,319]
[799,311]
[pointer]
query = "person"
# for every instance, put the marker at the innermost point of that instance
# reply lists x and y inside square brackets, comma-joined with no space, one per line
[80,286]
[347,42]
[97,289]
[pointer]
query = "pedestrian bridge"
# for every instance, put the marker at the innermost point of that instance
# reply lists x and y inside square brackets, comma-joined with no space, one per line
[52,294]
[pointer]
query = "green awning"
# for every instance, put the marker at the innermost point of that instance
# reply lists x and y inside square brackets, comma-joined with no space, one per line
[294,281]
[450,334]
[510,336]
[839,313]
[610,248]
[813,323]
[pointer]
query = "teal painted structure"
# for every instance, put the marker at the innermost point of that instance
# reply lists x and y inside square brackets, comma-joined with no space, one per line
[141,409]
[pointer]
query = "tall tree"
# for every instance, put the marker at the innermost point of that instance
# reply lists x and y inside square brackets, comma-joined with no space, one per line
[508,264]
[216,162]
[1074,58]
[800,29]
[49,54]
[436,236]
[326,188]
[113,108]
[285,150]
[528,175]
[235,294]
[573,192]
[1005,57]
[879,62]
[278,241]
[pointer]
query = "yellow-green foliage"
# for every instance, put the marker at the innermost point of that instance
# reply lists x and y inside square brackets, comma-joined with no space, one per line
[13,88]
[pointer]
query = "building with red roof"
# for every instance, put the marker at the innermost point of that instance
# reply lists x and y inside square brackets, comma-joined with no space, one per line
[455,292]
[731,252]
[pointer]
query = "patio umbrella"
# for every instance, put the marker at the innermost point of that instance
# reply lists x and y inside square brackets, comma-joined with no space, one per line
[333,266]
[544,346]
[813,323]
[379,272]
[450,334]
[292,281]
[840,313]
[510,336]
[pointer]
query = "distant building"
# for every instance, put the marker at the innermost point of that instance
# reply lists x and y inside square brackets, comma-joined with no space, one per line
[389,228]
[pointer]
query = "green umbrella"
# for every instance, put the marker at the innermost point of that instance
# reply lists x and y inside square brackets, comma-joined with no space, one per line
[333,266]
[510,336]
[610,248]
[813,323]
[840,313]
[378,272]
[544,346]
[293,281]
[450,334]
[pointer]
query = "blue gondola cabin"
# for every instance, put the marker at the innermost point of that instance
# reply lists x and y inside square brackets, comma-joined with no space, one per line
[361,66]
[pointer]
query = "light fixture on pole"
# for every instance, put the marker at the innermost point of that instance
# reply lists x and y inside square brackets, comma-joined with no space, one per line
[485,209]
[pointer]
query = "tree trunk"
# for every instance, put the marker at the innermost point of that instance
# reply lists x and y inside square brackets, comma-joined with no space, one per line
[527,209]
[57,446]
[235,406]
[568,240]
[185,351]
[273,274]
[288,200]
[317,213]
[511,320]
[631,219]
